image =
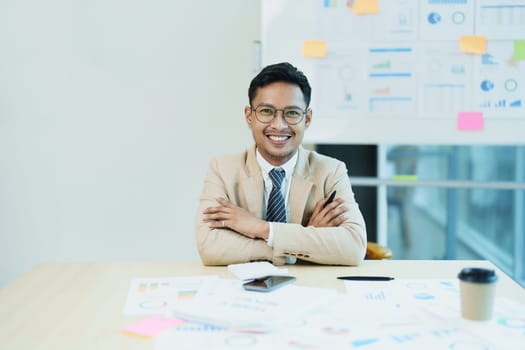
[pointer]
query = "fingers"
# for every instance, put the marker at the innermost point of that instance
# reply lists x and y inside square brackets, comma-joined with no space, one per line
[217,217]
[334,204]
[224,207]
[224,202]
[333,214]
[336,212]
[338,220]
[212,215]
[217,223]
[318,207]
[332,210]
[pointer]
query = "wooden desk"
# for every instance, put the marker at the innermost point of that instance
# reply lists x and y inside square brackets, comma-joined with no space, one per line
[79,305]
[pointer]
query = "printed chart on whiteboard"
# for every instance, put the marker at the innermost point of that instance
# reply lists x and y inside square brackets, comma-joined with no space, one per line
[405,71]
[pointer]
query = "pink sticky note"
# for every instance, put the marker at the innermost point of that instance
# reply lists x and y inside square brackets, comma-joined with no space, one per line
[152,326]
[469,121]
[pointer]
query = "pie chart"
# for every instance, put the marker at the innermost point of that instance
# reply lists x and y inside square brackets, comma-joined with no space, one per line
[434,18]
[487,85]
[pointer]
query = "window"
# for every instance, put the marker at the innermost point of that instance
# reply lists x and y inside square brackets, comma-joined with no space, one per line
[457,202]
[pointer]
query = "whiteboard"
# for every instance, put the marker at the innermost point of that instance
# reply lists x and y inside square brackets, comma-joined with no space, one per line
[398,75]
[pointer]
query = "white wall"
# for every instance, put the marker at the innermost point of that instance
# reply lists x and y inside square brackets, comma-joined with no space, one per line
[109,113]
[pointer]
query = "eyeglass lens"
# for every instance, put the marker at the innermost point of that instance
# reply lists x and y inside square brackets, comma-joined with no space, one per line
[292,115]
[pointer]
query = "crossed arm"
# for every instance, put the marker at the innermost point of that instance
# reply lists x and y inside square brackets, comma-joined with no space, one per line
[229,228]
[227,215]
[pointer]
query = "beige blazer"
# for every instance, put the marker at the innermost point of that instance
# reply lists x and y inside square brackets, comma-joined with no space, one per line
[238,178]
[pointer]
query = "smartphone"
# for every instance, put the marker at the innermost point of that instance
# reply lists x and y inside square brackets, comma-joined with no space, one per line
[268,283]
[330,199]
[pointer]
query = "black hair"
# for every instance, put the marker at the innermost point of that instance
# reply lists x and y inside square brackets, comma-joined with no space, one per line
[278,72]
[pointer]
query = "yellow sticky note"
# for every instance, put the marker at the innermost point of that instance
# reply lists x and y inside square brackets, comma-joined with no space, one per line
[314,48]
[519,50]
[365,7]
[476,44]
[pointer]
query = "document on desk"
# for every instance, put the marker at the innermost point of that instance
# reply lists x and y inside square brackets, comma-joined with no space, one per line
[438,297]
[224,303]
[404,293]
[154,296]
[342,327]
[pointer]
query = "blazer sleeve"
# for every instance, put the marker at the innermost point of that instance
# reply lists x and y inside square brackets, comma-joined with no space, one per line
[223,246]
[342,245]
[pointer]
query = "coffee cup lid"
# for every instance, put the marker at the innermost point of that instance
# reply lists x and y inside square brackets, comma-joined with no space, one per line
[477,275]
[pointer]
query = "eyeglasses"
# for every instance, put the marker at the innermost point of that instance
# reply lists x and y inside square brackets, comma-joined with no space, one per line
[292,115]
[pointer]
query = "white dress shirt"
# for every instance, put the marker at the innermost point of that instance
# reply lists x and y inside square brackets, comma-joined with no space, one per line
[266,167]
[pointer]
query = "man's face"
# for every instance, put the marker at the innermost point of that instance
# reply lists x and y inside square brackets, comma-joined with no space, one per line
[277,141]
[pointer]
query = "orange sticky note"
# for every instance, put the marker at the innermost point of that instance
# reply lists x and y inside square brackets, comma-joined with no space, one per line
[470,121]
[314,48]
[151,326]
[365,7]
[476,44]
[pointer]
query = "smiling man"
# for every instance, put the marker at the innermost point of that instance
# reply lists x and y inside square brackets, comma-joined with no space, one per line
[270,202]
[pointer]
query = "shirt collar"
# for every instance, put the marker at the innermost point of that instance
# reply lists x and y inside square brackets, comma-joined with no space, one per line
[266,167]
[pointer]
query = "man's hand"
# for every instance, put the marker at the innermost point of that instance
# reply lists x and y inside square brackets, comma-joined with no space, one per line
[330,216]
[227,215]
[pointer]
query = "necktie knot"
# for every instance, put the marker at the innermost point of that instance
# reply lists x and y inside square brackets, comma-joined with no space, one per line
[277,176]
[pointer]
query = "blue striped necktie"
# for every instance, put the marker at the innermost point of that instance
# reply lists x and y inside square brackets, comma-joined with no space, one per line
[276,211]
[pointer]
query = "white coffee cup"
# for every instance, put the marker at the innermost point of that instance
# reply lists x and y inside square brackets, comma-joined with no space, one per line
[477,289]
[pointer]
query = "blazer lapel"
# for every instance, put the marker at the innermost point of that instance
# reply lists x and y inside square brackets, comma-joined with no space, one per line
[253,185]
[253,188]
[300,187]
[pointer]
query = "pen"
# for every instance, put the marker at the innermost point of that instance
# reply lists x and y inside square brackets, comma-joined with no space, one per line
[330,199]
[365,278]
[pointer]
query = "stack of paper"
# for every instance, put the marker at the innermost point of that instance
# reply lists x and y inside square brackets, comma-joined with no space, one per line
[224,303]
